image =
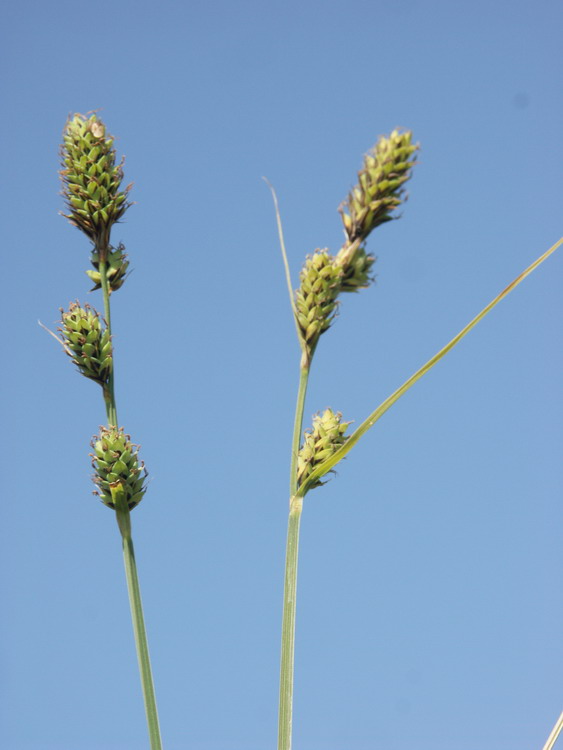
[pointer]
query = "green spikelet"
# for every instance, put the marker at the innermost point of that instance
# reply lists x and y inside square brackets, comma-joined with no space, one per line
[117,265]
[356,267]
[92,179]
[315,300]
[380,185]
[324,439]
[87,342]
[116,463]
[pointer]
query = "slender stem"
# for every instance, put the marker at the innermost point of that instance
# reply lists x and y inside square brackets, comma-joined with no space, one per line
[109,392]
[288,626]
[295,509]
[555,732]
[124,523]
[297,428]
[290,585]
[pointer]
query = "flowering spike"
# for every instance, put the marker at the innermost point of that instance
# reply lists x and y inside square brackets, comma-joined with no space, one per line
[380,185]
[321,441]
[356,267]
[87,342]
[315,300]
[116,465]
[116,269]
[92,179]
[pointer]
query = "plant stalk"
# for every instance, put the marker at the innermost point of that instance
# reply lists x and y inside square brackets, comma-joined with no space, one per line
[288,626]
[290,583]
[109,391]
[123,517]
[297,428]
[124,523]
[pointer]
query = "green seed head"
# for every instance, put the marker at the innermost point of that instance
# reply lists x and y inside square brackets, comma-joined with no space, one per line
[92,179]
[315,300]
[87,342]
[116,465]
[380,185]
[356,267]
[116,269]
[324,439]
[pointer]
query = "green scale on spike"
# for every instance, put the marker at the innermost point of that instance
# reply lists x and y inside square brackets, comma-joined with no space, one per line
[87,342]
[116,463]
[92,179]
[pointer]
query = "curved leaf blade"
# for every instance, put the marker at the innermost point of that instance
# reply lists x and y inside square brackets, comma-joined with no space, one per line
[367,424]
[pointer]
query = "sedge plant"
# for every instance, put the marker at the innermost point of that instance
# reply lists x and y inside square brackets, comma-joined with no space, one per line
[373,201]
[95,200]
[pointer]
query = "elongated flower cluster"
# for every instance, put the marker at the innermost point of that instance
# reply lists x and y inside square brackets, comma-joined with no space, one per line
[87,342]
[92,179]
[116,463]
[315,300]
[356,266]
[324,439]
[323,278]
[116,268]
[380,185]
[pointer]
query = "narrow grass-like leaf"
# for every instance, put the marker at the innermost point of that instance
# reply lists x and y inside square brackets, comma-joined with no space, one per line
[331,462]
[302,343]
[282,244]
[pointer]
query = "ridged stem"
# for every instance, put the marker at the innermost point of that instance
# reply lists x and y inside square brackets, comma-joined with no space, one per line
[298,427]
[123,518]
[285,719]
[109,392]
[124,523]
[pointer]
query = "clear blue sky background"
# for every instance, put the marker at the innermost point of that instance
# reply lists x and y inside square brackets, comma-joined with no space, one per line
[430,609]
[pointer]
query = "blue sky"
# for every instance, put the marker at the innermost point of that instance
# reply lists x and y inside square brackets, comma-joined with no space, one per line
[430,570]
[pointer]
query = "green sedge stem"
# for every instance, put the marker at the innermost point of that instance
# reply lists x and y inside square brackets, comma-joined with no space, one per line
[297,428]
[124,523]
[109,392]
[285,717]
[123,518]
[288,626]
[290,584]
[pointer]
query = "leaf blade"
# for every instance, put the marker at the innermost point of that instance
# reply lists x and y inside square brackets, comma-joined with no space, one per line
[368,423]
